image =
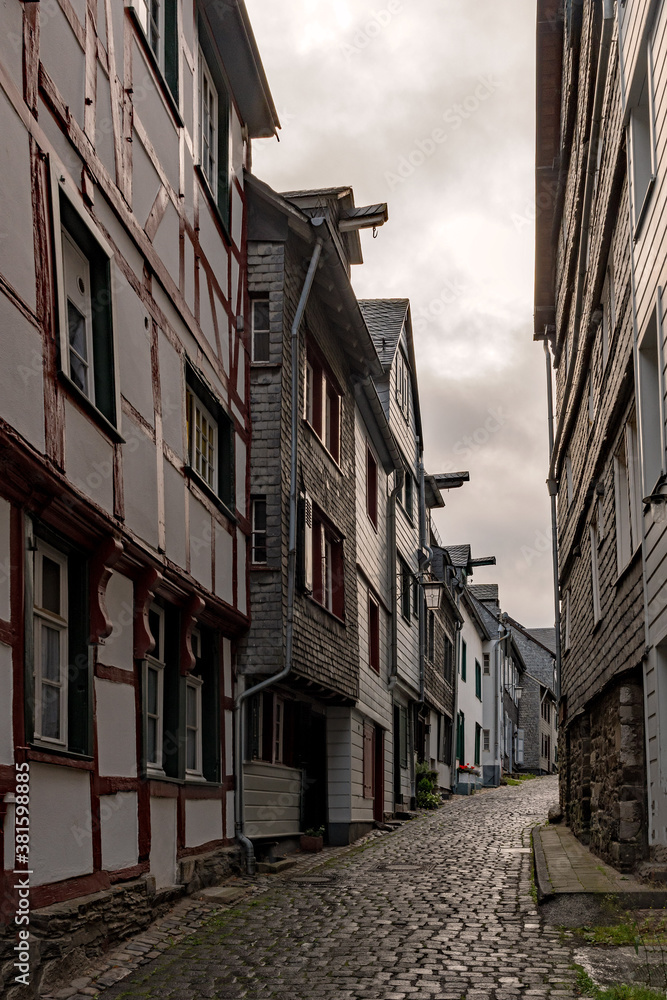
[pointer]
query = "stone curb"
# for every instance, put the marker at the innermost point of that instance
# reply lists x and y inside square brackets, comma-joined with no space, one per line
[543,884]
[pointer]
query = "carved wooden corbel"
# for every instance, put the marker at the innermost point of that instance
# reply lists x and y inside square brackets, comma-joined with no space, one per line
[192,610]
[107,555]
[144,592]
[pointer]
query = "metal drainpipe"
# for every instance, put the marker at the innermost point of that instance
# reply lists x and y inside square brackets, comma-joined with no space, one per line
[291,563]
[566,416]
[500,722]
[455,721]
[553,490]
[423,544]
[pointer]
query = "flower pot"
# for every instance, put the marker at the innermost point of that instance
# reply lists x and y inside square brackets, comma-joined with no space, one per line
[311,843]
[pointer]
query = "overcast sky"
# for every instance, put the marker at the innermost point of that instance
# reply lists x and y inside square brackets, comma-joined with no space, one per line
[429,105]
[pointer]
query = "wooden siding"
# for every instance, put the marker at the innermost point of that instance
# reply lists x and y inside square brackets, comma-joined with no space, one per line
[272,800]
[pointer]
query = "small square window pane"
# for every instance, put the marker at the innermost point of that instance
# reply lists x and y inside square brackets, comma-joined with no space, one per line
[151,741]
[50,585]
[78,364]
[50,654]
[151,693]
[261,346]
[50,712]
[191,751]
[192,707]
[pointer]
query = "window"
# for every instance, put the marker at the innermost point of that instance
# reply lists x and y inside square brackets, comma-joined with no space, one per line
[58,666]
[651,412]
[325,549]
[446,732]
[210,433]
[258,538]
[85,317]
[595,570]
[405,579]
[628,495]
[641,145]
[193,729]
[448,659]
[566,611]
[373,634]
[461,737]
[371,487]
[50,645]
[272,721]
[322,402]
[478,742]
[406,496]
[478,680]
[403,735]
[208,125]
[487,663]
[261,330]
[158,22]
[213,127]
[154,666]
[402,387]
[608,311]
[464,657]
[486,740]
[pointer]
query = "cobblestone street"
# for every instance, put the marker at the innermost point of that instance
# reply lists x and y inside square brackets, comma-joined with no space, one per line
[440,909]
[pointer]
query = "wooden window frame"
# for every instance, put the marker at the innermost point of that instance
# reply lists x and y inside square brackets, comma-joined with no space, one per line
[257,534]
[486,741]
[478,680]
[208,116]
[328,566]
[263,331]
[198,395]
[195,684]
[627,491]
[59,623]
[158,664]
[322,403]
[405,589]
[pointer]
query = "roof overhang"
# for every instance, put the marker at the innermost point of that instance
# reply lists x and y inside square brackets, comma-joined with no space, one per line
[547,148]
[377,425]
[450,480]
[483,561]
[232,33]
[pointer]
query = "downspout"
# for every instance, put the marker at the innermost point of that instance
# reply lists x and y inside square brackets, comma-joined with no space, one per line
[568,414]
[500,722]
[455,720]
[291,562]
[553,490]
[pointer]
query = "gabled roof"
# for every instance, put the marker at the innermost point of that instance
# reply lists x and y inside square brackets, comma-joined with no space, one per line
[460,555]
[232,32]
[485,591]
[385,319]
[545,636]
[337,204]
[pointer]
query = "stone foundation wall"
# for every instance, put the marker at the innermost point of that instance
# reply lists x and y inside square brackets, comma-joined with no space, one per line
[66,936]
[603,775]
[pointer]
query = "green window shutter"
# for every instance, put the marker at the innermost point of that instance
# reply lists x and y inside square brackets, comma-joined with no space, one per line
[464,654]
[460,737]
[478,734]
[171,46]
[478,679]
[224,190]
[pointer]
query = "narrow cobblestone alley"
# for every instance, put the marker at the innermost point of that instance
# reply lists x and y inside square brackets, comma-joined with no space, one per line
[441,909]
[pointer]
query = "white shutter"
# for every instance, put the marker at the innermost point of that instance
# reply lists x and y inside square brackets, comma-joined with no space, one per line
[308,544]
[140,8]
[519,746]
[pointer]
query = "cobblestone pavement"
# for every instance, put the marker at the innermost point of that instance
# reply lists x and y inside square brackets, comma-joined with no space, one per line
[441,909]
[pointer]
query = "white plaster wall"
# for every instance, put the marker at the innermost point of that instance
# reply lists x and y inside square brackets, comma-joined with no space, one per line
[339,765]
[60,823]
[64,60]
[133,347]
[200,543]
[211,242]
[166,241]
[6,702]
[172,388]
[119,828]
[203,821]
[163,841]
[152,111]
[174,512]
[146,182]
[10,50]
[361,809]
[241,551]
[88,458]
[22,397]
[5,561]
[17,261]
[140,481]
[224,558]
[468,702]
[116,729]
[118,649]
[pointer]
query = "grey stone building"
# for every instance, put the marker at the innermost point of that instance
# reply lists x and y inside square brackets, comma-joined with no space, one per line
[538,707]
[587,226]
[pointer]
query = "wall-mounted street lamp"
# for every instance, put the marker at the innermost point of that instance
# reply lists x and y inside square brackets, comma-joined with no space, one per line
[432,595]
[518,690]
[657,501]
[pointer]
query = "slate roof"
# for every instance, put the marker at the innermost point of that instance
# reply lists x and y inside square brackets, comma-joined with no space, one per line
[484,591]
[547,636]
[460,555]
[385,319]
[539,663]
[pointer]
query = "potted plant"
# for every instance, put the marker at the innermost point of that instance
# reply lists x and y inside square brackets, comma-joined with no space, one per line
[313,839]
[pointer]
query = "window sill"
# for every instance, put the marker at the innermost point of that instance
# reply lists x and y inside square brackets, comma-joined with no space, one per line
[47,754]
[103,423]
[210,494]
[213,204]
[643,210]
[329,614]
[263,568]
[165,89]
[322,445]
[266,364]
[634,558]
